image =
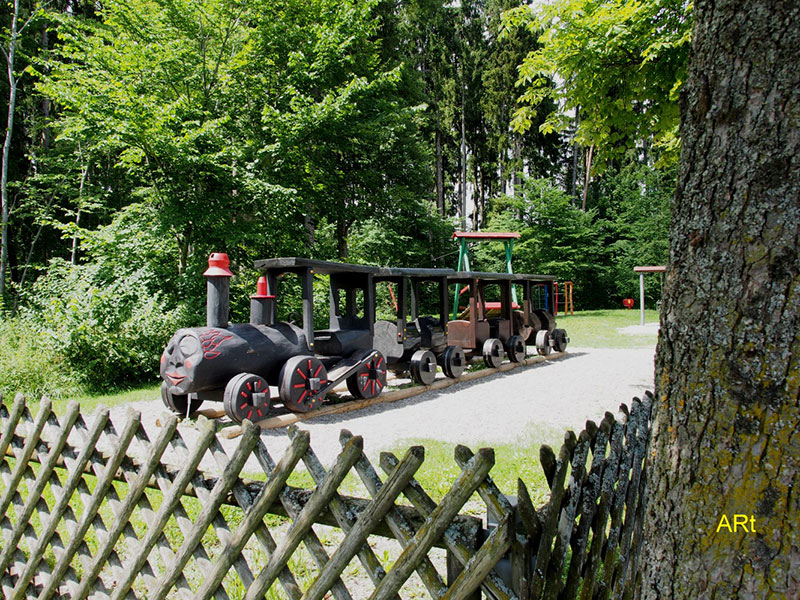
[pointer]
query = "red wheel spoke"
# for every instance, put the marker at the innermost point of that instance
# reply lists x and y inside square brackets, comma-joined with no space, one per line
[300,399]
[319,368]
[379,385]
[366,385]
[249,387]
[380,360]
[303,375]
[244,394]
[299,385]
[242,406]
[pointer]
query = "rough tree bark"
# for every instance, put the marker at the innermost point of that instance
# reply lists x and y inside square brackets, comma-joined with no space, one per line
[726,428]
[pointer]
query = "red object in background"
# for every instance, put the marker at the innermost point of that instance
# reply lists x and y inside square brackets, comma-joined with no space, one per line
[627,303]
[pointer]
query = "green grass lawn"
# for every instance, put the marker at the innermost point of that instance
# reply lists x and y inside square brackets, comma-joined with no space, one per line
[89,402]
[514,460]
[599,328]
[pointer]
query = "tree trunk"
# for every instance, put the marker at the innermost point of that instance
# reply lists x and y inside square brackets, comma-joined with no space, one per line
[727,421]
[439,167]
[12,101]
[517,180]
[588,176]
[341,237]
[309,224]
[573,188]
[44,105]
[463,184]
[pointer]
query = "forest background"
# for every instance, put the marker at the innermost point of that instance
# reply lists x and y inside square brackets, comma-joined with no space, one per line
[144,134]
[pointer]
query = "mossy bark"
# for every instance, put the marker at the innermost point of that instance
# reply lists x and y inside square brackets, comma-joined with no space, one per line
[726,435]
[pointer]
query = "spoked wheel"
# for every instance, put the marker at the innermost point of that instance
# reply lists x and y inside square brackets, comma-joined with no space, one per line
[423,367]
[370,379]
[543,342]
[180,404]
[493,353]
[301,379]
[516,348]
[560,340]
[453,362]
[246,397]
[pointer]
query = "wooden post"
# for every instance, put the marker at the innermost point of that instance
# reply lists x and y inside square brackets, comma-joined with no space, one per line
[307,289]
[454,567]
[641,298]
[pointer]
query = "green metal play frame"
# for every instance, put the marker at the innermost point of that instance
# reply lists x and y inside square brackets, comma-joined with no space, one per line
[507,237]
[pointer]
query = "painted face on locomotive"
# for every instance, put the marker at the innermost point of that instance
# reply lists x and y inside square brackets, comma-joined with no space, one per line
[182,362]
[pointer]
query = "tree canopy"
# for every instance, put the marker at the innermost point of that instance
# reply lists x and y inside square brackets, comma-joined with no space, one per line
[618,64]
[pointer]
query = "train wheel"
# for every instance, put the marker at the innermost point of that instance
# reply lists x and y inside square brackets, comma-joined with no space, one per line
[423,367]
[301,379]
[560,340]
[543,342]
[516,348]
[453,362]
[179,404]
[370,379]
[546,318]
[493,353]
[246,397]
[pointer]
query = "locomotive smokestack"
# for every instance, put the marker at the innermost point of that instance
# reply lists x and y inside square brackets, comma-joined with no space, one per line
[260,304]
[218,276]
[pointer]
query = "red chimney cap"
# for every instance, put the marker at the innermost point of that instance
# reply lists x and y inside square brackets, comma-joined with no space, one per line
[261,289]
[218,264]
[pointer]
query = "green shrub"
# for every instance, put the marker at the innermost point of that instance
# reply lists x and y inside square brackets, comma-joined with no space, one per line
[109,332]
[29,364]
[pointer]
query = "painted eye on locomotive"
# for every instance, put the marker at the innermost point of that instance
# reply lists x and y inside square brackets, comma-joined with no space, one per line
[180,360]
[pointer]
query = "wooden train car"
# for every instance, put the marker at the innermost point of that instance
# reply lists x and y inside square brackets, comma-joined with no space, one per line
[238,364]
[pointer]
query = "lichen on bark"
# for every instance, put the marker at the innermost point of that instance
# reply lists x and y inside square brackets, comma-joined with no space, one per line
[725,438]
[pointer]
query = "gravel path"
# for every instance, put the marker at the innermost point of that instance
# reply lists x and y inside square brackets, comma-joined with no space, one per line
[548,397]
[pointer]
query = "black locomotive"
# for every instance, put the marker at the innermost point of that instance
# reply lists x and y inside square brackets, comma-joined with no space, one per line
[237,363]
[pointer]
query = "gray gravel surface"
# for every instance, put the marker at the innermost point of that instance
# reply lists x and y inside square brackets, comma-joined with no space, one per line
[552,396]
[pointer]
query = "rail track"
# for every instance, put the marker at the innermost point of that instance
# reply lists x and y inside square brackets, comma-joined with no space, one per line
[282,417]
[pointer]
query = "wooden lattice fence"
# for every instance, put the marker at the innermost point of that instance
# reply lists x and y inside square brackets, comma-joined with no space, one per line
[90,511]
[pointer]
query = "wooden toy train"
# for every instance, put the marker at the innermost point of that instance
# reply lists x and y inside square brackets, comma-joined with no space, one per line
[236,363]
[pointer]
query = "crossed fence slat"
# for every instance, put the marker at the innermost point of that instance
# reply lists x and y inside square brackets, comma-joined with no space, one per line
[340,512]
[73,496]
[293,508]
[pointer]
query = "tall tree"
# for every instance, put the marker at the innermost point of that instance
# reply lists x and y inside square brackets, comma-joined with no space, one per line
[621,61]
[725,439]
[9,50]
[340,127]
[432,46]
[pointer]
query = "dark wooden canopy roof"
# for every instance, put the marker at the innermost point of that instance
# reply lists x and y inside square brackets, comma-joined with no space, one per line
[469,275]
[322,267]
